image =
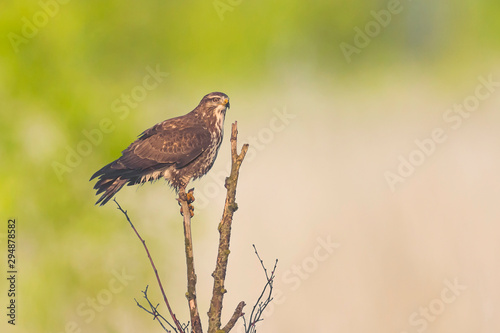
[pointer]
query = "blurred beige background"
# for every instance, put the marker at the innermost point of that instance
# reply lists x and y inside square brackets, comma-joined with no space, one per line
[372,173]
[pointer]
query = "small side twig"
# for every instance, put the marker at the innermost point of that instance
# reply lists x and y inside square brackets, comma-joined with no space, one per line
[174,318]
[260,304]
[238,312]
[154,312]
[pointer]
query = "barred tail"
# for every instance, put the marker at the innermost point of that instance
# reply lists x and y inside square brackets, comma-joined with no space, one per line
[115,175]
[110,182]
[110,187]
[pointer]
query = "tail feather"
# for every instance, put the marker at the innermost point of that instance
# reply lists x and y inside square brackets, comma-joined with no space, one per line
[110,182]
[110,187]
[112,177]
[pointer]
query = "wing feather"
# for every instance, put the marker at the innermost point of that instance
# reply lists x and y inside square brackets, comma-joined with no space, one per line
[179,146]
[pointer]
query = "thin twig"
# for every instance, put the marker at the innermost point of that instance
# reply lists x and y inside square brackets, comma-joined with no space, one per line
[260,306]
[154,311]
[174,318]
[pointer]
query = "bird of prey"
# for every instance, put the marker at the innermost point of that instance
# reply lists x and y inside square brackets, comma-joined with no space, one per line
[178,149]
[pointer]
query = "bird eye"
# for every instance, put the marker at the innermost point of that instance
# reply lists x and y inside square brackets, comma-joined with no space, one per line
[215,99]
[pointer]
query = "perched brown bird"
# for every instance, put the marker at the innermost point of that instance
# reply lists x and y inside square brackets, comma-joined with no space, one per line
[179,149]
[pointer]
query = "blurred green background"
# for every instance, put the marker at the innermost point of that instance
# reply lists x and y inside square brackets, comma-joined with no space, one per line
[324,129]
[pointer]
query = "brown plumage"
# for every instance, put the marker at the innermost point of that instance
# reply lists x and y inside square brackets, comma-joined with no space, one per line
[178,149]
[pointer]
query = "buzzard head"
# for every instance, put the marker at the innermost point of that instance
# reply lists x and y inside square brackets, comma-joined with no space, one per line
[213,104]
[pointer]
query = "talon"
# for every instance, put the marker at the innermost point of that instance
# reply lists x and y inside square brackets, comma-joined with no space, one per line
[190,196]
[191,210]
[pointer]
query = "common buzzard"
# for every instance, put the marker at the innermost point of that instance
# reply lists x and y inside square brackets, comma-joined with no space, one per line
[179,149]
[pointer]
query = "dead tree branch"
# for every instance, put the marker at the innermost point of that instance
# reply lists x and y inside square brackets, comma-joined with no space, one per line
[174,318]
[191,275]
[219,274]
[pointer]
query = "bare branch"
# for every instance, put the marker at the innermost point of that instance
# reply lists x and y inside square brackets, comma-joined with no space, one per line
[191,275]
[219,274]
[174,318]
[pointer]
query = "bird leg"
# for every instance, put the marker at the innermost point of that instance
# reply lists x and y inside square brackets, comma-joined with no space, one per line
[189,198]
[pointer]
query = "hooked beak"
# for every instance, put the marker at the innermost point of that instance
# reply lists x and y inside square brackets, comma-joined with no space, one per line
[225,102]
